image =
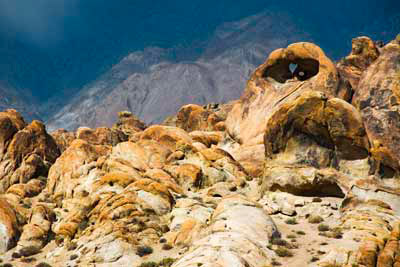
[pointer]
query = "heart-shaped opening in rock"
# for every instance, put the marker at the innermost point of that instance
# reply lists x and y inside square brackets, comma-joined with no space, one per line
[284,69]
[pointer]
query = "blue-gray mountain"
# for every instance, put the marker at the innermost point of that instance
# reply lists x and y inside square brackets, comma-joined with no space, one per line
[152,85]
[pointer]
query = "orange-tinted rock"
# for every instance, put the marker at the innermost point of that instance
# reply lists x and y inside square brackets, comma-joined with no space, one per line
[15,117]
[363,53]
[207,138]
[71,165]
[167,135]
[29,154]
[138,156]
[7,129]
[164,178]
[200,118]
[128,123]
[189,176]
[8,226]
[30,189]
[377,98]
[334,122]
[274,85]
[63,138]
[194,118]
[101,136]
[387,256]
[35,233]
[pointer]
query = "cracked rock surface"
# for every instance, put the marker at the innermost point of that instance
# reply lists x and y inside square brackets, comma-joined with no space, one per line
[301,170]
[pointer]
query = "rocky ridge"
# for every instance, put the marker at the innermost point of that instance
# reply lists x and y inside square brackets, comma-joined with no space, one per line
[302,169]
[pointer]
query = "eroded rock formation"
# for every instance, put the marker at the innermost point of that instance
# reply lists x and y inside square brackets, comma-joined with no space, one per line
[302,170]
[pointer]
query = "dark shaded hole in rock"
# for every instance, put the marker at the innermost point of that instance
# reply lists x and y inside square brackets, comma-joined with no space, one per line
[386,171]
[217,195]
[320,190]
[111,183]
[345,149]
[284,69]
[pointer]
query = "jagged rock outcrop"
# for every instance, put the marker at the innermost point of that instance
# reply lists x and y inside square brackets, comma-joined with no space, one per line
[9,228]
[377,98]
[194,117]
[363,53]
[27,150]
[296,172]
[272,87]
[232,239]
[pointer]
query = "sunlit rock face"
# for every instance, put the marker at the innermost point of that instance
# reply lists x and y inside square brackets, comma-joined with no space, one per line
[302,170]
[298,75]
[377,97]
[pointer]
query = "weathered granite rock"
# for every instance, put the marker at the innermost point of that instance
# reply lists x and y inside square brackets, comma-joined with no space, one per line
[101,136]
[8,226]
[35,233]
[363,53]
[375,224]
[377,98]
[293,148]
[233,240]
[270,87]
[63,138]
[76,162]
[129,123]
[29,153]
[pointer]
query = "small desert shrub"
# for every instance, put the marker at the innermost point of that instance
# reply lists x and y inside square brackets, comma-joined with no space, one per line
[144,250]
[167,262]
[317,200]
[300,232]
[6,265]
[71,246]
[29,251]
[323,227]
[283,252]
[291,221]
[275,263]
[291,236]
[73,257]
[28,260]
[16,255]
[279,242]
[43,264]
[314,259]
[166,247]
[315,219]
[149,264]
[59,240]
[337,233]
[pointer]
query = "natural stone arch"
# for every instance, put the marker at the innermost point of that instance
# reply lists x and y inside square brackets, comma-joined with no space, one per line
[305,68]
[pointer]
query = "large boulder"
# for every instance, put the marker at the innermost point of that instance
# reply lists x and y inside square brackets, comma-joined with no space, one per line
[363,53]
[233,239]
[377,98]
[28,154]
[8,226]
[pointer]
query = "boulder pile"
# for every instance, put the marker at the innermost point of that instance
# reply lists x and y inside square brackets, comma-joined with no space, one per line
[302,170]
